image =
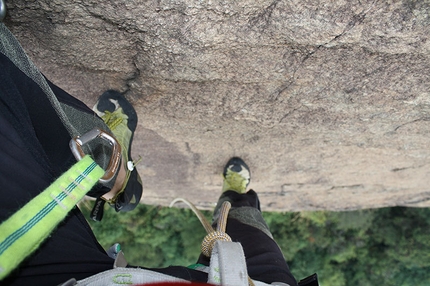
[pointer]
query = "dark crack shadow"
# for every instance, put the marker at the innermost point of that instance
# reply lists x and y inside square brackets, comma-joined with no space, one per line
[356,20]
[263,18]
[411,122]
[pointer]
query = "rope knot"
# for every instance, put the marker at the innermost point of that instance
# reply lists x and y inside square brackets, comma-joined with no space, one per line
[210,239]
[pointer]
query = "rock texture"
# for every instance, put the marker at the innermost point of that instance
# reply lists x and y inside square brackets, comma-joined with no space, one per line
[328,101]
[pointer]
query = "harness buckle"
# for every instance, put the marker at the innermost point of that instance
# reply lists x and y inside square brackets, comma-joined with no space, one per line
[2,10]
[77,142]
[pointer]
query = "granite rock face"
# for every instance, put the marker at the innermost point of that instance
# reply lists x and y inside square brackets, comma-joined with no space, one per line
[327,101]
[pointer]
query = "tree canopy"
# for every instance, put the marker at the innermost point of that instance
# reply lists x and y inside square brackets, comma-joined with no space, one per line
[387,246]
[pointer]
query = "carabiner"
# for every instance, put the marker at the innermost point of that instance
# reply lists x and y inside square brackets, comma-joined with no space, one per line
[115,160]
[2,10]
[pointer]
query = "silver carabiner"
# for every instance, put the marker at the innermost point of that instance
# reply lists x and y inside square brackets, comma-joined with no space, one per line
[2,10]
[115,160]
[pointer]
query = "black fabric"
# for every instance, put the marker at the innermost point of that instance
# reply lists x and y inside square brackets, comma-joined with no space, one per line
[264,258]
[72,250]
[32,157]
[249,199]
[46,125]
[14,110]
[66,98]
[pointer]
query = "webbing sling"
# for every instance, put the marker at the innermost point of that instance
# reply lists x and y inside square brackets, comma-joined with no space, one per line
[26,229]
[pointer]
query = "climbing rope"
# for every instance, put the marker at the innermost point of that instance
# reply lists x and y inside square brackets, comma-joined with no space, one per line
[213,234]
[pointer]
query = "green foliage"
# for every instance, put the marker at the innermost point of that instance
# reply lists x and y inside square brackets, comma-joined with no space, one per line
[152,236]
[388,246]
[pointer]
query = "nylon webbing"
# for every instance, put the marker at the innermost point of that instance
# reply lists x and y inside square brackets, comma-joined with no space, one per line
[25,230]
